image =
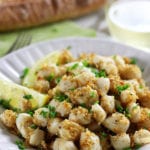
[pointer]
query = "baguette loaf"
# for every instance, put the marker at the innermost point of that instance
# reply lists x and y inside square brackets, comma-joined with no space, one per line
[16,14]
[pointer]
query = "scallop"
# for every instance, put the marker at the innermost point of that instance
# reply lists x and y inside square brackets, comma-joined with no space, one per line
[117,123]
[70,130]
[62,144]
[89,141]
[120,141]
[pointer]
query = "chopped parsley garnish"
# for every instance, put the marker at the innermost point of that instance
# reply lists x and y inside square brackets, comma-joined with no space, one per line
[25,72]
[149,114]
[44,113]
[72,89]
[83,105]
[124,111]
[127,114]
[114,57]
[30,112]
[85,63]
[33,126]
[104,134]
[135,107]
[52,111]
[119,108]
[74,66]
[133,61]
[122,88]
[94,70]
[100,73]
[20,145]
[68,47]
[61,97]
[50,77]
[97,102]
[28,96]
[5,103]
[57,80]
[92,94]
[141,86]
[18,110]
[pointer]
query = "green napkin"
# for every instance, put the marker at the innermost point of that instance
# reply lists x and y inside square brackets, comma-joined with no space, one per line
[61,29]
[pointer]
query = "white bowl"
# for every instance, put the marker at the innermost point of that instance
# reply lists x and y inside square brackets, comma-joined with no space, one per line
[11,66]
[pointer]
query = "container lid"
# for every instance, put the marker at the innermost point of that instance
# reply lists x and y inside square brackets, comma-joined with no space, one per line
[131,15]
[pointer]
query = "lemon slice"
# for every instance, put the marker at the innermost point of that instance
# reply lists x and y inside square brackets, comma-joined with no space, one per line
[129,22]
[30,78]
[12,94]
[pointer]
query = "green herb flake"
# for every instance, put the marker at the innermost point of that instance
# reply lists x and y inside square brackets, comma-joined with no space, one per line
[94,70]
[50,77]
[72,89]
[20,145]
[85,63]
[73,67]
[149,114]
[127,114]
[141,86]
[24,73]
[122,88]
[119,108]
[52,111]
[92,94]
[134,107]
[83,105]
[125,111]
[18,110]
[5,103]
[100,73]
[61,97]
[57,80]
[30,112]
[28,96]
[33,126]
[44,113]
[104,135]
[114,57]
[68,47]
[133,61]
[97,102]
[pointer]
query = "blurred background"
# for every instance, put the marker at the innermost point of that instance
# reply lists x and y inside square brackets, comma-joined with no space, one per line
[123,21]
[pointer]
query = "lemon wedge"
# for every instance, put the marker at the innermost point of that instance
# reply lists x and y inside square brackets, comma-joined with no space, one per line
[13,94]
[30,78]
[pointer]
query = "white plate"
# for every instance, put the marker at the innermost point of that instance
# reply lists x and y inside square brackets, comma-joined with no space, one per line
[11,66]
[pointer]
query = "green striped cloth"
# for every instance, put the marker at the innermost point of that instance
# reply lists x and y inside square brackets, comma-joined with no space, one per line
[51,31]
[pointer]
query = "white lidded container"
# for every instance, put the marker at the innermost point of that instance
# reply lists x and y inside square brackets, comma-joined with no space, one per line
[129,22]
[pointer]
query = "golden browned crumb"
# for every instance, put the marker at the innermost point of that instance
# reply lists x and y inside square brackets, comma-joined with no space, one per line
[70,130]
[65,57]
[8,117]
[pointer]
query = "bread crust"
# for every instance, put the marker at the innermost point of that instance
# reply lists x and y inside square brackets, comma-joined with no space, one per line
[16,14]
